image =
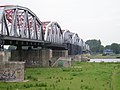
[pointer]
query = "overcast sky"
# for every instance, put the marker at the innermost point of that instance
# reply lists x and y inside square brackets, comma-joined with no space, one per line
[91,19]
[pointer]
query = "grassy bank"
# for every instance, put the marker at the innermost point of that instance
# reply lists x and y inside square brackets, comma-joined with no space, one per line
[100,56]
[81,76]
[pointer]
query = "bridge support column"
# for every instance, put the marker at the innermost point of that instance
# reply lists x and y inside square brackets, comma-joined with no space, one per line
[59,53]
[33,58]
[4,56]
[10,71]
[1,43]
[46,55]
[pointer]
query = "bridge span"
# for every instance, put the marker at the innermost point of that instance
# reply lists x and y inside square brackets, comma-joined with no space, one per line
[19,26]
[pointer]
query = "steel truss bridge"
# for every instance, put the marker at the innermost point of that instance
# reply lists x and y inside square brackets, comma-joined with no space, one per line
[19,26]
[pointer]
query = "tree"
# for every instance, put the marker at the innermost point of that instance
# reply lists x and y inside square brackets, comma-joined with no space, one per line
[115,47]
[108,47]
[11,48]
[95,45]
[101,49]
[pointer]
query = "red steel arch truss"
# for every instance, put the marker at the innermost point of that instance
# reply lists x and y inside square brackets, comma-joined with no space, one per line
[20,22]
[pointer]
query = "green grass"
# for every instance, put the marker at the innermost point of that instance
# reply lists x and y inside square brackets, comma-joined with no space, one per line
[81,76]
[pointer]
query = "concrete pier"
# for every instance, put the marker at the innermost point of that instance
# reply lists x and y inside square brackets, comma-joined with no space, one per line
[38,58]
[33,58]
[5,56]
[11,71]
[59,53]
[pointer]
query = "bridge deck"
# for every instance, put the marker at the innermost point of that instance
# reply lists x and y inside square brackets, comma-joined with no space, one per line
[10,40]
[55,46]
[17,41]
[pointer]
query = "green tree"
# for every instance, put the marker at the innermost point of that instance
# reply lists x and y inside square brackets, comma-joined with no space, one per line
[101,49]
[11,48]
[95,45]
[115,47]
[108,47]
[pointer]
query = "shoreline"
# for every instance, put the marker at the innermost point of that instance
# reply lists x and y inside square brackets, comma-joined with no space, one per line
[100,56]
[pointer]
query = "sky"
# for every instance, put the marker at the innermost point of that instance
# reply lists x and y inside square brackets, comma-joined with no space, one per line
[90,19]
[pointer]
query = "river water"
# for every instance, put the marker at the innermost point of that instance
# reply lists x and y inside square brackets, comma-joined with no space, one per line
[104,60]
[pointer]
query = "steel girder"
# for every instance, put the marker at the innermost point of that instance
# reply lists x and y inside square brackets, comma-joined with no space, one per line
[72,38]
[21,25]
[17,21]
[73,42]
[67,36]
[52,32]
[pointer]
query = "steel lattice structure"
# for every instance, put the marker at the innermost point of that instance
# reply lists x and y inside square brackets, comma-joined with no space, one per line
[20,22]
[19,26]
[52,32]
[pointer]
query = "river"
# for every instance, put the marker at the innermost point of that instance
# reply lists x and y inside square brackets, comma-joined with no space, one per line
[104,60]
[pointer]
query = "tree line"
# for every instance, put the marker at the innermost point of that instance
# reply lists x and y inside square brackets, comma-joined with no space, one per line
[96,47]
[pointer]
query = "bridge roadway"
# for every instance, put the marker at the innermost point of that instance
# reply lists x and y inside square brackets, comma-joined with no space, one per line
[19,42]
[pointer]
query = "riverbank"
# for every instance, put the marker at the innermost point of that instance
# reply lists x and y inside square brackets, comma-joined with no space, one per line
[104,60]
[81,76]
[100,56]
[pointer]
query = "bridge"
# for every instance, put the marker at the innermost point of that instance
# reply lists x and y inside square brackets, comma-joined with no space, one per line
[19,26]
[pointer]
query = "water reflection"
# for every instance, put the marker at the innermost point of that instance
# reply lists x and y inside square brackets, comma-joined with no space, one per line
[104,60]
